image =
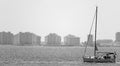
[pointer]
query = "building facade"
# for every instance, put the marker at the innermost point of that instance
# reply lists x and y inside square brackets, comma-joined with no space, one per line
[105,42]
[52,40]
[27,38]
[117,37]
[71,40]
[6,38]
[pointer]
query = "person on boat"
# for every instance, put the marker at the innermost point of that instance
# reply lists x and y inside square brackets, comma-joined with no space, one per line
[107,56]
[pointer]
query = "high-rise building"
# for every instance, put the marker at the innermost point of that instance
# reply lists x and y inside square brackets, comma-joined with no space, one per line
[53,40]
[117,37]
[71,40]
[90,40]
[26,38]
[6,38]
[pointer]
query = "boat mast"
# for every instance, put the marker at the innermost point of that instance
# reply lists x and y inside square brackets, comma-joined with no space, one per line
[95,47]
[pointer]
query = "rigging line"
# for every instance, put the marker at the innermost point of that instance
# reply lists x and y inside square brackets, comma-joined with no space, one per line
[89,34]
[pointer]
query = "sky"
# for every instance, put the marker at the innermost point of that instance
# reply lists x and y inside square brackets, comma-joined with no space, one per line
[60,16]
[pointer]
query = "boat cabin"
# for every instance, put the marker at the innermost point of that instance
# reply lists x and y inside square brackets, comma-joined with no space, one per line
[106,55]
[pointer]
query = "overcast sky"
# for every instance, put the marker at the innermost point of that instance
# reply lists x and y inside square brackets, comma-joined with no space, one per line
[60,16]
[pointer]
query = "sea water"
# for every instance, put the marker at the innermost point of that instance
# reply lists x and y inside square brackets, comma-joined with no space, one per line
[49,56]
[67,63]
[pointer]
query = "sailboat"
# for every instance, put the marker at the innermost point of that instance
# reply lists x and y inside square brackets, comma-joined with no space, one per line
[99,57]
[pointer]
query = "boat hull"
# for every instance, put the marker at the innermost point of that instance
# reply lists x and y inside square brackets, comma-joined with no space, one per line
[95,60]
